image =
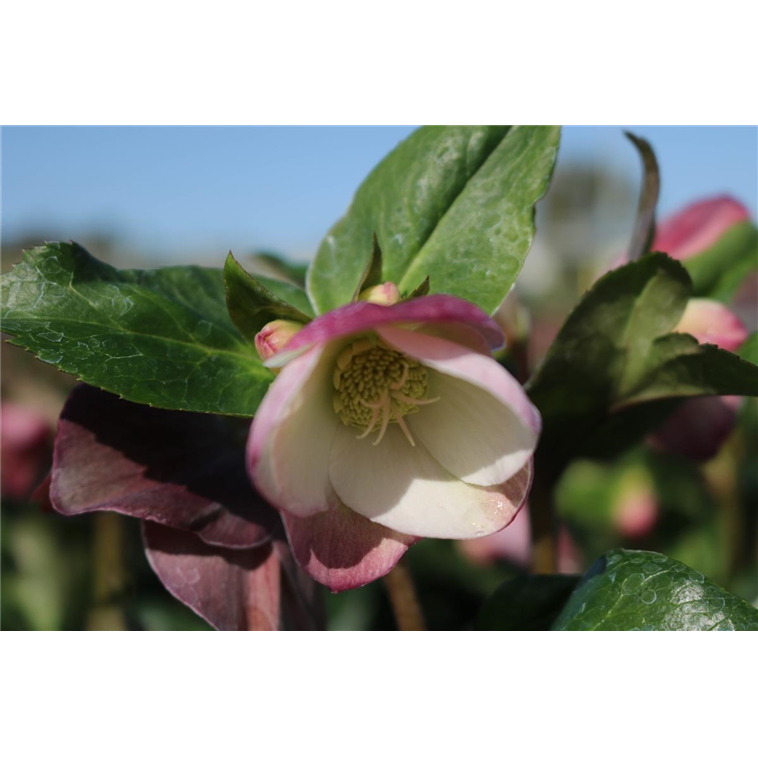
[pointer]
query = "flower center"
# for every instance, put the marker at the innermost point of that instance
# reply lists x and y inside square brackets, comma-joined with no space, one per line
[376,385]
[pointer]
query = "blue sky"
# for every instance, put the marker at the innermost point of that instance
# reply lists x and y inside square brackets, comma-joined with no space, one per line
[169,192]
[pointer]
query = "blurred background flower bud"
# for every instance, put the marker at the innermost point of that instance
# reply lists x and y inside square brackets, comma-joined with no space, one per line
[698,226]
[25,441]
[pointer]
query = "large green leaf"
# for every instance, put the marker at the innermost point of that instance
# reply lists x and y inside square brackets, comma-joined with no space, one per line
[526,603]
[452,203]
[719,271]
[161,337]
[616,350]
[254,301]
[645,591]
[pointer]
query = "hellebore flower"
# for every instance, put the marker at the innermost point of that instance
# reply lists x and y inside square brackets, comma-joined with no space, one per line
[698,226]
[699,426]
[388,423]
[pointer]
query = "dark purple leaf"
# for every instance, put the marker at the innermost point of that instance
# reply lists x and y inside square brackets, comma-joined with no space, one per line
[183,470]
[232,589]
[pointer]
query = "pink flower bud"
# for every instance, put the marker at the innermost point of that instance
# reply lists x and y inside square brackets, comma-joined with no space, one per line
[636,511]
[698,226]
[25,437]
[383,294]
[274,336]
[710,322]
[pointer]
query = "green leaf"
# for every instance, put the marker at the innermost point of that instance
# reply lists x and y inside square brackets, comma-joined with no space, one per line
[275,266]
[616,350]
[749,349]
[526,603]
[254,302]
[677,366]
[718,271]
[645,591]
[452,203]
[372,273]
[420,291]
[644,227]
[162,337]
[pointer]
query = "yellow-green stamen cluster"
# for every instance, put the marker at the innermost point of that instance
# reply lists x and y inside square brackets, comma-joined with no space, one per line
[376,385]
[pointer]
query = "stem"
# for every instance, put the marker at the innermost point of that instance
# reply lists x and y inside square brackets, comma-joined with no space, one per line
[544,543]
[109,575]
[520,354]
[404,600]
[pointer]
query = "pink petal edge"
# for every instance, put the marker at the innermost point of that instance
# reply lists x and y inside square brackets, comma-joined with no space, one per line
[261,465]
[343,550]
[365,316]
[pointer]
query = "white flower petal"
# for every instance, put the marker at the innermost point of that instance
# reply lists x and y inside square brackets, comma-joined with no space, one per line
[483,429]
[291,436]
[404,488]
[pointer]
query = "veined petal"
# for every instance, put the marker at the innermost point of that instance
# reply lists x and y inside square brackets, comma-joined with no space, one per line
[290,439]
[342,549]
[436,309]
[483,429]
[404,488]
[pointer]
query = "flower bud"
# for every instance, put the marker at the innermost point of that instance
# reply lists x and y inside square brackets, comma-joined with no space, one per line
[383,294]
[26,438]
[710,322]
[698,227]
[274,336]
[636,511]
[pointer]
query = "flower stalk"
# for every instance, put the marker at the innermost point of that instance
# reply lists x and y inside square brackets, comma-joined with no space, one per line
[404,600]
[544,542]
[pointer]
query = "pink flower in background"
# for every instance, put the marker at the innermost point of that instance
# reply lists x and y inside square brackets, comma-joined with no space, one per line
[25,441]
[387,424]
[636,512]
[698,226]
[710,322]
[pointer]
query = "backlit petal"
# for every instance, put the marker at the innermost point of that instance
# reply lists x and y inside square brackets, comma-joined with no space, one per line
[344,550]
[291,436]
[404,488]
[483,429]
